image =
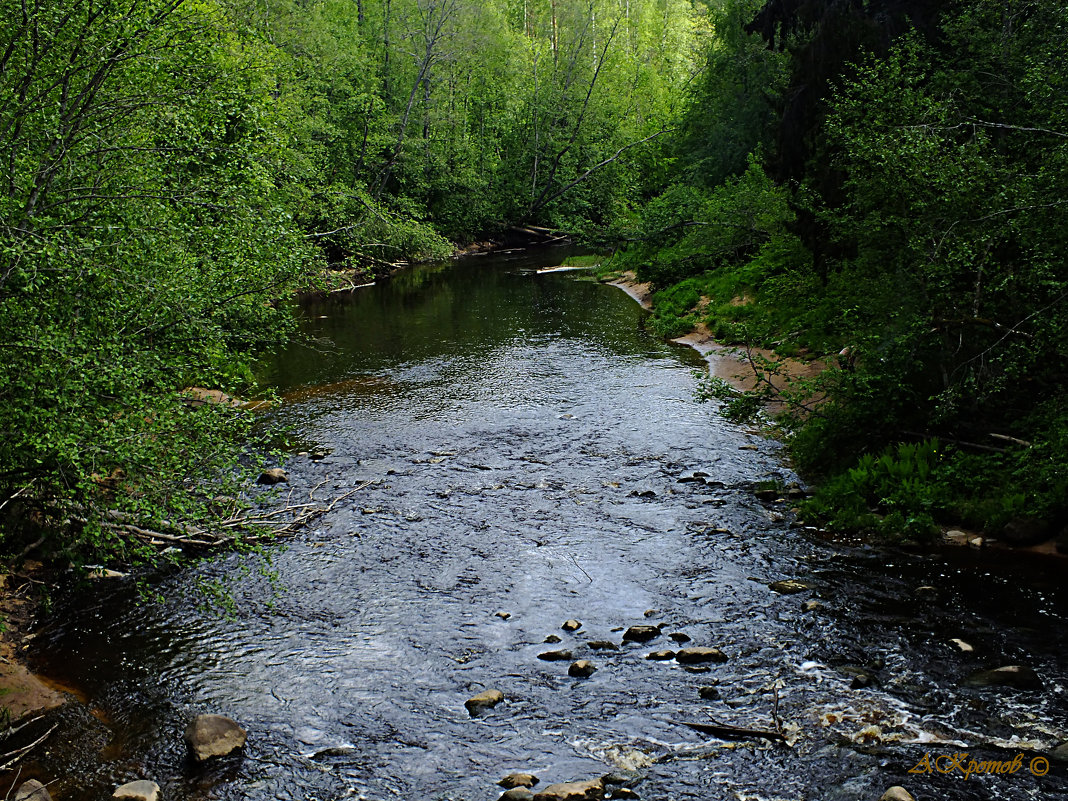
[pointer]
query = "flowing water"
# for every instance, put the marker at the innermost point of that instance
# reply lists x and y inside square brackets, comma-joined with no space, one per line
[523,452]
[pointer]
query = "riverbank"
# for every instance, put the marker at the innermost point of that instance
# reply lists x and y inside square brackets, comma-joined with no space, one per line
[745,369]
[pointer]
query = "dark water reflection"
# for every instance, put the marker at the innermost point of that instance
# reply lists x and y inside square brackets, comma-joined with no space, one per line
[525,438]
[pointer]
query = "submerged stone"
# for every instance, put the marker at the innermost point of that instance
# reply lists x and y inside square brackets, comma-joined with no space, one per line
[211,736]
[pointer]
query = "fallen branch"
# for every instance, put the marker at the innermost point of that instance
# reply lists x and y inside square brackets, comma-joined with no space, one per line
[21,752]
[727,732]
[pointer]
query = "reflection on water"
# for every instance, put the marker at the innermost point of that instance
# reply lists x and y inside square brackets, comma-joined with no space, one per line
[526,439]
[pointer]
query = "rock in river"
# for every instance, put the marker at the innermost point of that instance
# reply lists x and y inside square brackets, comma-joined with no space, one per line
[32,790]
[661,656]
[212,736]
[592,790]
[276,475]
[897,793]
[693,656]
[641,633]
[1020,677]
[603,645]
[788,586]
[517,794]
[556,656]
[518,780]
[582,669]
[142,790]
[483,701]
[571,625]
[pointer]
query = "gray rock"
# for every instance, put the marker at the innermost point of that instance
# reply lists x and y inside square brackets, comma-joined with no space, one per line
[693,656]
[1019,677]
[641,633]
[517,794]
[552,638]
[602,645]
[661,656]
[897,793]
[141,790]
[592,790]
[788,586]
[276,475]
[32,790]
[483,701]
[582,669]
[556,656]
[1060,753]
[571,625]
[211,736]
[518,780]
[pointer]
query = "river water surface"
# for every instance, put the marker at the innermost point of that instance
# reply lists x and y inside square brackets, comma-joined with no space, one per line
[531,454]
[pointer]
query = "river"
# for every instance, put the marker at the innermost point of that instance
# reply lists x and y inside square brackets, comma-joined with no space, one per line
[529,454]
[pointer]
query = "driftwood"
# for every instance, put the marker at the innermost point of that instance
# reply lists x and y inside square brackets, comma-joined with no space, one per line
[728,732]
[245,526]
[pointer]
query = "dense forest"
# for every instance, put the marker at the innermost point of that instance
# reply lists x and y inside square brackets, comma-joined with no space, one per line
[881,184]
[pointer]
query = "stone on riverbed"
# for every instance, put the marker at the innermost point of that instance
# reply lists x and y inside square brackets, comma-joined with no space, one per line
[483,701]
[592,790]
[582,669]
[641,633]
[788,586]
[708,693]
[32,790]
[897,793]
[211,736]
[518,780]
[603,645]
[552,638]
[624,793]
[276,475]
[517,794]
[661,656]
[1020,677]
[556,656]
[571,625]
[693,656]
[679,636]
[141,790]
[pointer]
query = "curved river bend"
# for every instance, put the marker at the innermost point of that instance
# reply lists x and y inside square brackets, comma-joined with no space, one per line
[532,451]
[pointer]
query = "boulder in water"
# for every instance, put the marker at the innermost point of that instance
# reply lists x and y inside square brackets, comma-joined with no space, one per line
[1019,677]
[641,633]
[32,790]
[483,701]
[592,790]
[276,475]
[582,669]
[897,793]
[518,780]
[693,656]
[556,656]
[213,736]
[141,790]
